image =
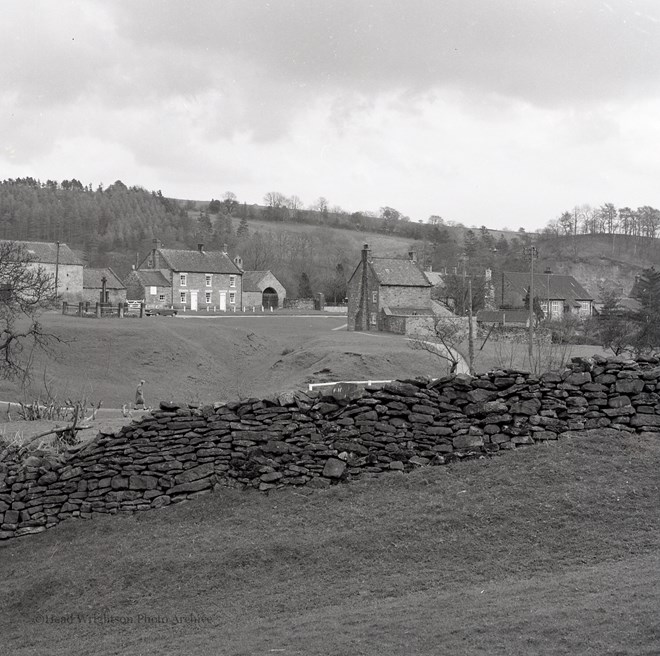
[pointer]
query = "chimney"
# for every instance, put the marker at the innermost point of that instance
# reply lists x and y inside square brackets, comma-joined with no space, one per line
[412,254]
[200,248]
[362,314]
[154,255]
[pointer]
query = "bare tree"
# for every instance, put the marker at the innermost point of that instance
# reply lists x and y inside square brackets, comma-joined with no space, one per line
[443,341]
[26,289]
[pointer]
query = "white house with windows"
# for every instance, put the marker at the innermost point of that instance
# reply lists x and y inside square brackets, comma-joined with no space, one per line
[198,279]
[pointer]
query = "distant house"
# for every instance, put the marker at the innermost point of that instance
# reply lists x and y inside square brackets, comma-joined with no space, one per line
[58,260]
[198,279]
[385,292]
[503,318]
[102,286]
[149,285]
[558,295]
[262,288]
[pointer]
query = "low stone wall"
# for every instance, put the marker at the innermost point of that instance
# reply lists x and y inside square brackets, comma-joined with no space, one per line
[317,438]
[299,304]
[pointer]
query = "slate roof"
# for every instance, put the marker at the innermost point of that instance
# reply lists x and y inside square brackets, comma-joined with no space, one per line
[92,279]
[398,271]
[152,278]
[503,316]
[46,252]
[434,277]
[251,280]
[198,262]
[560,287]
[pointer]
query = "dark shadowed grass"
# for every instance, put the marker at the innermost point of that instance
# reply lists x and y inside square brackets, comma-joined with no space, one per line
[545,550]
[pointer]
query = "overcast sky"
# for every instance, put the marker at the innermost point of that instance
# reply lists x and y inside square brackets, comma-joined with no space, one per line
[485,112]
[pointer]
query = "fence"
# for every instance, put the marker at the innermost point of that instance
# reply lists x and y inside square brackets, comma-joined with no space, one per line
[100,310]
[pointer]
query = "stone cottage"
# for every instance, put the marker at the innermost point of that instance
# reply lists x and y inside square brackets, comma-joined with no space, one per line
[198,279]
[390,294]
[102,286]
[262,288]
[558,295]
[150,286]
[58,260]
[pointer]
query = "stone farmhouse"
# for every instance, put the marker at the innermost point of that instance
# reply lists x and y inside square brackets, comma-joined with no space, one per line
[262,288]
[558,295]
[102,286]
[389,294]
[198,279]
[150,286]
[58,260]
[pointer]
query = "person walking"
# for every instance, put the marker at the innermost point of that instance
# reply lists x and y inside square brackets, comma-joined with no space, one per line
[139,397]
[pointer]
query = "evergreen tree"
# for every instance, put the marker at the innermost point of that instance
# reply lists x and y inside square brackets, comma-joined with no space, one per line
[243,231]
[304,286]
[647,291]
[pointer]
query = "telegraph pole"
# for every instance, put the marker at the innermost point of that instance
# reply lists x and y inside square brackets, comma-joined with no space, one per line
[470,334]
[57,267]
[532,252]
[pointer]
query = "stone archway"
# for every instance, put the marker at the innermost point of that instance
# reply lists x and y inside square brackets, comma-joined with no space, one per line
[269,298]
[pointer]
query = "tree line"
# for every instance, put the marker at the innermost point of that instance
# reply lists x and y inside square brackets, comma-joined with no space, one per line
[642,222]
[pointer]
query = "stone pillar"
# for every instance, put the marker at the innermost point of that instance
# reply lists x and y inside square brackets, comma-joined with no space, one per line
[98,310]
[120,310]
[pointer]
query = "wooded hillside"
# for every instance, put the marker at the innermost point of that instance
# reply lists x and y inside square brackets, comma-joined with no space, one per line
[317,248]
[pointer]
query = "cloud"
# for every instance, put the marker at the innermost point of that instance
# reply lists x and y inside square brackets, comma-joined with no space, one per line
[553,52]
[479,111]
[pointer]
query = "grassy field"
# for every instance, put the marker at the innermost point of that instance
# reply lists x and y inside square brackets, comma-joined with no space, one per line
[211,359]
[551,549]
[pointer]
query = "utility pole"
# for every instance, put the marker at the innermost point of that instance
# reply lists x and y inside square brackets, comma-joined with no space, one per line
[470,333]
[532,252]
[57,267]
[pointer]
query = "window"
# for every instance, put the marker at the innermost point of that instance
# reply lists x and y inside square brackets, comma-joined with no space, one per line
[232,281]
[374,297]
[373,318]
[556,308]
[183,297]
[161,298]
[153,290]
[183,279]
[208,296]
[232,297]
[209,280]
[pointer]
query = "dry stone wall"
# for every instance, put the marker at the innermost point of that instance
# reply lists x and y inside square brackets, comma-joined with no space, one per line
[179,452]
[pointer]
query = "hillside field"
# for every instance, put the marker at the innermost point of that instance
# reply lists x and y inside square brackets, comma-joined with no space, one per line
[551,549]
[209,359]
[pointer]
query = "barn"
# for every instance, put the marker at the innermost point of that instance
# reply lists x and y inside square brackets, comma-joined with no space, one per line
[262,289]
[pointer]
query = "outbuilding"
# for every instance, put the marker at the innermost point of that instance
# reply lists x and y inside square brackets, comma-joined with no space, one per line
[102,286]
[262,288]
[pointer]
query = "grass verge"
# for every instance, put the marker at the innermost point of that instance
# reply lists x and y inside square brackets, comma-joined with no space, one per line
[551,549]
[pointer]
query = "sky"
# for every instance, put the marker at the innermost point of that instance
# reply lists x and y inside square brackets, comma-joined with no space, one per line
[502,113]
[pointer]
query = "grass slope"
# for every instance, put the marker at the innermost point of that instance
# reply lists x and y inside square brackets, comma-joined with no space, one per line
[208,360]
[547,550]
